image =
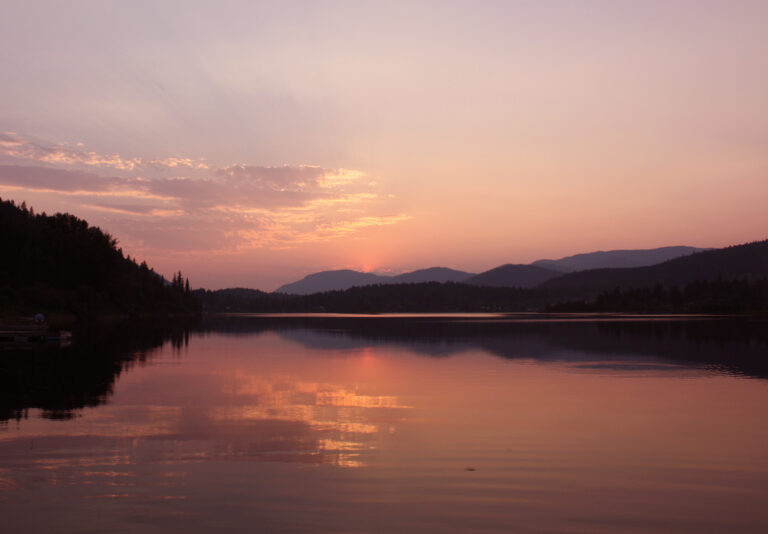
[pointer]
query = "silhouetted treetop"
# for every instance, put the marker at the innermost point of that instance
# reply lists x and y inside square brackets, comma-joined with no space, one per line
[61,263]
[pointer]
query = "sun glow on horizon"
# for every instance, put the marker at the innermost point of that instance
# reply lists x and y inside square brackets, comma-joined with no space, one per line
[248,148]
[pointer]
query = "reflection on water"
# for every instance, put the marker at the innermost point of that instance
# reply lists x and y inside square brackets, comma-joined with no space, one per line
[59,380]
[331,424]
[327,423]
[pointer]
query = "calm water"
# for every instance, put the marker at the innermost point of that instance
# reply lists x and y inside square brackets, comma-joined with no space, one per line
[407,424]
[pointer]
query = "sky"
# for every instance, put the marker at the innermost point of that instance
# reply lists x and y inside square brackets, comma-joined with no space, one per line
[251,143]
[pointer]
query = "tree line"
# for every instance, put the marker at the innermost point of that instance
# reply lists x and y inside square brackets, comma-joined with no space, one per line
[704,296]
[713,296]
[59,263]
[435,297]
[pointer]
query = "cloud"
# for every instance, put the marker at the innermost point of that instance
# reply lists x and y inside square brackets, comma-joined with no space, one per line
[299,177]
[232,208]
[136,210]
[280,232]
[13,145]
[50,179]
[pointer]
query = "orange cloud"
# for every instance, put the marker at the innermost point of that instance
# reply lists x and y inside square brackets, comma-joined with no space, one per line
[206,209]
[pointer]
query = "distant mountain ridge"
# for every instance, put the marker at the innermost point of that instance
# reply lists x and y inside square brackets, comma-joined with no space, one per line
[523,276]
[617,258]
[346,278]
[432,274]
[732,280]
[510,275]
[331,280]
[748,261]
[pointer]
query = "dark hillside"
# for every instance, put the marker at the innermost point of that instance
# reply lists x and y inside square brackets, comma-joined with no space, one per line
[715,296]
[330,281]
[432,274]
[524,276]
[616,259]
[381,298]
[59,263]
[234,299]
[748,261]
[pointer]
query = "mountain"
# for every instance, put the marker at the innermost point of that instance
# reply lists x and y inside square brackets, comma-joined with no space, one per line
[511,275]
[730,280]
[523,276]
[505,276]
[435,297]
[346,278]
[331,280]
[228,300]
[748,261]
[433,274]
[617,258]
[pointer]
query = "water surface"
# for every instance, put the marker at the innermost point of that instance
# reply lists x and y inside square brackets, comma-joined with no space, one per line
[390,424]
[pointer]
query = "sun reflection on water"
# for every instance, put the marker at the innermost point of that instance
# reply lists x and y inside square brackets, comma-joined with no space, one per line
[244,416]
[340,422]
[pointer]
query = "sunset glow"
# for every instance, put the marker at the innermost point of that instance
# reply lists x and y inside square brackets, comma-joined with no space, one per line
[253,143]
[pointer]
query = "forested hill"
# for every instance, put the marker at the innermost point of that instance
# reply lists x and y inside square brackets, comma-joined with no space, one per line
[430,297]
[740,262]
[729,280]
[59,263]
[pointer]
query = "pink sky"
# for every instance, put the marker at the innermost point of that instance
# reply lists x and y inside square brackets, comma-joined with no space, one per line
[251,144]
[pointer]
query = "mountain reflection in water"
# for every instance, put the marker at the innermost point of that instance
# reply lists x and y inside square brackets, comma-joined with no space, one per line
[436,424]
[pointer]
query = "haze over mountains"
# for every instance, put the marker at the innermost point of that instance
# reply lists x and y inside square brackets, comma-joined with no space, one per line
[345,278]
[731,280]
[523,276]
[617,258]
[748,262]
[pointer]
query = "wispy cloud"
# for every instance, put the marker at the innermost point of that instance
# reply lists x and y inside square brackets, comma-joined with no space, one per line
[280,230]
[16,146]
[187,205]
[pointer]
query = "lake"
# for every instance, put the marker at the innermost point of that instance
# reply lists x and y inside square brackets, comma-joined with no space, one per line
[570,424]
